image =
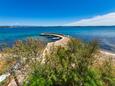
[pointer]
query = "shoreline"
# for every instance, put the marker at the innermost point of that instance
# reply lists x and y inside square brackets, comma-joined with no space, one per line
[107,52]
[64,40]
[61,42]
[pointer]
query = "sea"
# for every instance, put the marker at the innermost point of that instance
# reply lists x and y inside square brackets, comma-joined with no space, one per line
[104,34]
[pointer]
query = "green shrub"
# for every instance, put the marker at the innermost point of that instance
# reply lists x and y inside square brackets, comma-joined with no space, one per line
[108,72]
[22,54]
[70,66]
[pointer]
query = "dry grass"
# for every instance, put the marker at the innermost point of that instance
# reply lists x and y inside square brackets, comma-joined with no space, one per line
[3,66]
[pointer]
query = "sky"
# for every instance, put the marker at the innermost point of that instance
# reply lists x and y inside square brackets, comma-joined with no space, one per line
[57,12]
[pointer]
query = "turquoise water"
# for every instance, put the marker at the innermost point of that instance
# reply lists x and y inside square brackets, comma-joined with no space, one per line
[105,35]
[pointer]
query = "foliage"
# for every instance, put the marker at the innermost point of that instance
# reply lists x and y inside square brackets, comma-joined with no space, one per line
[70,66]
[108,72]
[22,54]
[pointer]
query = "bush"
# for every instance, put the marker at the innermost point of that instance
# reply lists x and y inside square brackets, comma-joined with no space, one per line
[70,66]
[22,55]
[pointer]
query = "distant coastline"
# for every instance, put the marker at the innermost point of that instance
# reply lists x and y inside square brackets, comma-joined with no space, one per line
[49,26]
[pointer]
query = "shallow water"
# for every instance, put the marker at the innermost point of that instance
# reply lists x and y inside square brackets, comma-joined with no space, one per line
[105,35]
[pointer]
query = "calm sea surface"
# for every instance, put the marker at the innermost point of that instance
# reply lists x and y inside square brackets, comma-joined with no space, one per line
[105,35]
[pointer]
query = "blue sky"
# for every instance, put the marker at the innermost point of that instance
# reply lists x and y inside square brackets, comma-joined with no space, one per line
[52,12]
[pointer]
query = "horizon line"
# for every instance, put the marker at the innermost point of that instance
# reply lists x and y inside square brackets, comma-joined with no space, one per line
[54,26]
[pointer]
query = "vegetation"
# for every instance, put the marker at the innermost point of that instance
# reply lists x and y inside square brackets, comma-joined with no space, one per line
[74,65]
[22,54]
[70,66]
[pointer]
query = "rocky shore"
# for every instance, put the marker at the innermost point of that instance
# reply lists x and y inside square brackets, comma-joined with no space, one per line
[62,42]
